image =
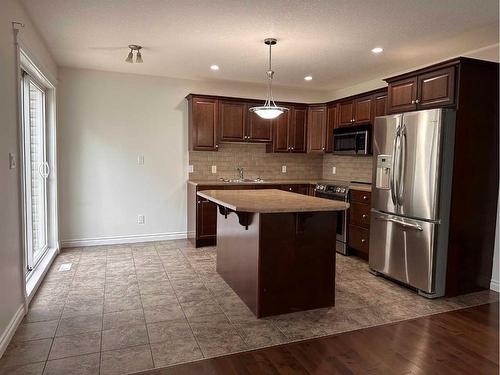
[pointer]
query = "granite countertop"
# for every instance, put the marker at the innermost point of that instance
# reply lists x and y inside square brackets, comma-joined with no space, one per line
[270,201]
[351,185]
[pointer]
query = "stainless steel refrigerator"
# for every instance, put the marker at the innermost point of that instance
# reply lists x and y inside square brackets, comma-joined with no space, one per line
[413,160]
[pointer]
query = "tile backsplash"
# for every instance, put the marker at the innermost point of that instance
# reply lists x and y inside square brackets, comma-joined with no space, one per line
[257,163]
[348,168]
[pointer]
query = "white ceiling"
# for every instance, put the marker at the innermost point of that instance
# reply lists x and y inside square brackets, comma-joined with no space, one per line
[328,39]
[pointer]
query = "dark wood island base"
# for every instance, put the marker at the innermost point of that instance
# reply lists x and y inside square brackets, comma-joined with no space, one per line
[278,262]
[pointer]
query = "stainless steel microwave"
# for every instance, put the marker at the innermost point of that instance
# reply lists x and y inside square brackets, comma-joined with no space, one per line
[352,140]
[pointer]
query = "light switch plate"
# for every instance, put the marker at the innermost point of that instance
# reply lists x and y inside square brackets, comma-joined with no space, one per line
[334,170]
[214,169]
[141,219]
[140,160]
[12,160]
[190,169]
[283,169]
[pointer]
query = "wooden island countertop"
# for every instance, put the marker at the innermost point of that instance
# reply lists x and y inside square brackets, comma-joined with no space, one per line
[270,201]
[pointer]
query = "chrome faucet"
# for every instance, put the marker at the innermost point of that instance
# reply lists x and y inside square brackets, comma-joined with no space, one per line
[240,171]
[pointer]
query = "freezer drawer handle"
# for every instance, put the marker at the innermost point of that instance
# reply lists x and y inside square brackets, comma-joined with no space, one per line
[402,223]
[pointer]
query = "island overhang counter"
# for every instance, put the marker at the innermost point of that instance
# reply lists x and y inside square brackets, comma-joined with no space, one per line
[276,249]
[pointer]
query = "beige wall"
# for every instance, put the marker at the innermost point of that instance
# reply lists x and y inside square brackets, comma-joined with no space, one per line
[348,168]
[11,293]
[105,120]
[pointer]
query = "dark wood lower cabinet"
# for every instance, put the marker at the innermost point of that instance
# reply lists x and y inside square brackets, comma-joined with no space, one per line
[207,218]
[359,223]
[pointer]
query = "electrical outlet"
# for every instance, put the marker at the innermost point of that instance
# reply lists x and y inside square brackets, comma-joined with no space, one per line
[140,159]
[190,169]
[334,170]
[141,219]
[214,169]
[12,160]
[283,169]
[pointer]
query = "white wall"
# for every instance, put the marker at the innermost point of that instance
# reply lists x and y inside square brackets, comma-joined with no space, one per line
[11,293]
[105,120]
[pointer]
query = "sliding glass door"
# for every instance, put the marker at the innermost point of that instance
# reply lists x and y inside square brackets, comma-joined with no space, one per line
[36,170]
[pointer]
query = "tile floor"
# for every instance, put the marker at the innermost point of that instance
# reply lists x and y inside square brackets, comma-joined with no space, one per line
[122,309]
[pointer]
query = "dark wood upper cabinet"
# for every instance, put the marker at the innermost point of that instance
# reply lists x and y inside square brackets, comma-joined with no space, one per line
[379,106]
[331,123]
[316,129]
[232,121]
[281,130]
[436,88]
[258,129]
[432,87]
[203,119]
[298,130]
[402,95]
[357,111]
[346,113]
[362,110]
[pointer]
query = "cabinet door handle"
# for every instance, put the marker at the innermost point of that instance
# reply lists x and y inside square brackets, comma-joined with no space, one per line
[365,197]
[292,148]
[417,101]
[323,149]
[216,146]
[413,102]
[365,216]
[290,189]
[363,240]
[199,202]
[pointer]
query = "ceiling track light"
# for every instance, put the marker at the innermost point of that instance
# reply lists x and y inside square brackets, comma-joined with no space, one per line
[130,56]
[269,110]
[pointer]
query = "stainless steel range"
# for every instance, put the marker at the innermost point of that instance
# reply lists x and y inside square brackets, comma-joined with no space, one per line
[338,193]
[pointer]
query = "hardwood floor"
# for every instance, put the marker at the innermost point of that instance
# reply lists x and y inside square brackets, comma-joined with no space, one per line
[458,342]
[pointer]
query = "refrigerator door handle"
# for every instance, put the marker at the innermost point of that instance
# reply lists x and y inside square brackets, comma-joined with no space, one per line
[401,164]
[393,168]
[400,222]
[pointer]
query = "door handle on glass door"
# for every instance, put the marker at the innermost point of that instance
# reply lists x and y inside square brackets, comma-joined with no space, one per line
[402,223]
[46,169]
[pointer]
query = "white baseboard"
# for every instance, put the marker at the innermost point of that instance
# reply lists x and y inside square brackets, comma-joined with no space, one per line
[11,329]
[495,285]
[116,240]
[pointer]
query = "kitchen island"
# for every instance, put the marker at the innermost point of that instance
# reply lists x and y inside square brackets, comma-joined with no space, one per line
[276,249]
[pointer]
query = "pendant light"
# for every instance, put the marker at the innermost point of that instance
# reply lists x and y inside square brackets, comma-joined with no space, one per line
[269,110]
[130,56]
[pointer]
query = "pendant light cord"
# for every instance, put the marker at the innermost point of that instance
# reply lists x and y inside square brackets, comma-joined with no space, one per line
[270,73]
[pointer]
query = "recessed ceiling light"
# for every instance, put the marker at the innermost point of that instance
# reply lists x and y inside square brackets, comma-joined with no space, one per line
[214,67]
[377,50]
[308,78]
